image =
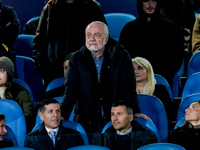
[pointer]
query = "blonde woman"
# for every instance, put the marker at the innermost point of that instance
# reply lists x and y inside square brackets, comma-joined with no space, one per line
[146,84]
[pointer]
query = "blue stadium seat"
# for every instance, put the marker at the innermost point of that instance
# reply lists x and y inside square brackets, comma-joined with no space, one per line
[17,148]
[144,122]
[14,119]
[193,64]
[185,103]
[72,125]
[161,80]
[55,83]
[26,71]
[161,146]
[177,86]
[24,45]
[89,147]
[179,123]
[191,86]
[154,109]
[33,19]
[11,136]
[116,22]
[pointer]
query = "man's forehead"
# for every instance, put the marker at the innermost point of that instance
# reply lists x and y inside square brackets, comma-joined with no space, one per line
[53,106]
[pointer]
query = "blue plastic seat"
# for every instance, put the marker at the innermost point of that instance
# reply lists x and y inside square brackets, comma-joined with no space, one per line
[179,123]
[26,71]
[161,146]
[193,65]
[89,147]
[17,148]
[11,136]
[116,22]
[161,80]
[72,125]
[24,45]
[14,119]
[26,86]
[154,109]
[144,122]
[177,86]
[191,85]
[55,83]
[185,103]
[59,99]
[33,19]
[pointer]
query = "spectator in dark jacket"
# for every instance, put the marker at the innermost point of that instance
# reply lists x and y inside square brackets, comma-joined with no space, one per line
[60,32]
[188,135]
[9,30]
[152,37]
[97,75]
[126,134]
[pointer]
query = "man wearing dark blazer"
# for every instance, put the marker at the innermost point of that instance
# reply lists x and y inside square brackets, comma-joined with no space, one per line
[42,139]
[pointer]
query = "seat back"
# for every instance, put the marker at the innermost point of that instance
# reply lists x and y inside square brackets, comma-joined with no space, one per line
[176,87]
[17,148]
[11,136]
[33,19]
[24,45]
[191,85]
[185,103]
[89,147]
[193,64]
[55,83]
[161,80]
[144,122]
[14,119]
[153,108]
[116,22]
[26,71]
[161,146]
[179,123]
[72,125]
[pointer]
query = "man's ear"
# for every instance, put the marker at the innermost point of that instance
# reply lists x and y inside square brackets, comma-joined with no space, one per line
[41,115]
[130,117]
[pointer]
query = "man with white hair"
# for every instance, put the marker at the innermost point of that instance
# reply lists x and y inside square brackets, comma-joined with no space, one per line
[98,74]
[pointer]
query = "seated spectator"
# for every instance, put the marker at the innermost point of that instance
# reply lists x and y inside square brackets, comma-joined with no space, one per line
[196,36]
[43,138]
[9,30]
[188,135]
[146,84]
[13,91]
[59,91]
[126,134]
[4,142]
[155,38]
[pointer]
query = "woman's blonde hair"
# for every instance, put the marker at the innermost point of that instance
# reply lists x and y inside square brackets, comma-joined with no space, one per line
[150,86]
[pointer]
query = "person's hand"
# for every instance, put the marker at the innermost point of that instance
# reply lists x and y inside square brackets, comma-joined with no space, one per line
[140,115]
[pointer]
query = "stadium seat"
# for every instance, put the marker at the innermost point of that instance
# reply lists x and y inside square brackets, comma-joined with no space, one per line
[14,119]
[17,148]
[26,71]
[72,125]
[116,22]
[161,80]
[193,64]
[185,103]
[161,146]
[89,147]
[55,83]
[33,19]
[24,45]
[154,109]
[26,86]
[144,122]
[191,86]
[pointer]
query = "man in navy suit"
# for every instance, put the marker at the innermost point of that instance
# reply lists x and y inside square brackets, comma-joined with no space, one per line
[42,139]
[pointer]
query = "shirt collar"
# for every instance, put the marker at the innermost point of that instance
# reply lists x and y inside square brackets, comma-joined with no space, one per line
[124,133]
[56,130]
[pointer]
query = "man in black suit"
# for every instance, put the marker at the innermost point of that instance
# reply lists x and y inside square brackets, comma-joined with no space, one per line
[43,139]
